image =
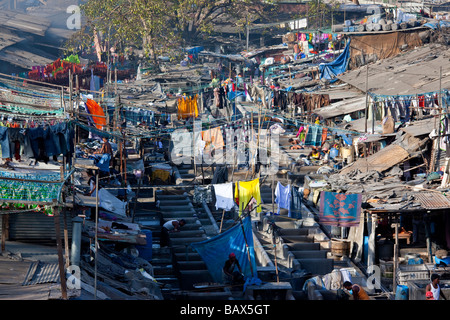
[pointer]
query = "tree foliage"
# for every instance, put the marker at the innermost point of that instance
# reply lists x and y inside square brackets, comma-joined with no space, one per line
[144,24]
[196,17]
[320,13]
[158,26]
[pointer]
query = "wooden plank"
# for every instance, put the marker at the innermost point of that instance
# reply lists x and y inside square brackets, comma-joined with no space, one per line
[383,160]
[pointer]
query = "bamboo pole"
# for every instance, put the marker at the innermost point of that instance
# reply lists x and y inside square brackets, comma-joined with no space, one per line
[62,272]
[221,221]
[96,233]
[66,239]
[4,230]
[394,284]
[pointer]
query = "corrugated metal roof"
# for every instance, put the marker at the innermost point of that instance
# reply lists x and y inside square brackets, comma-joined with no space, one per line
[383,160]
[342,107]
[420,127]
[410,73]
[431,200]
[40,272]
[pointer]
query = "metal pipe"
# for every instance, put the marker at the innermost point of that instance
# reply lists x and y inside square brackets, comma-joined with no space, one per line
[76,241]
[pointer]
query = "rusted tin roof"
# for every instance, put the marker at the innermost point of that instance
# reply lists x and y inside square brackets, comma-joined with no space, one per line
[432,200]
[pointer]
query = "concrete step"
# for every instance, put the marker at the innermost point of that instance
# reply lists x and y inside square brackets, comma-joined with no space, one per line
[191,265]
[317,266]
[186,241]
[179,215]
[310,254]
[293,232]
[173,208]
[190,221]
[303,246]
[188,278]
[163,269]
[190,256]
[302,238]
[188,233]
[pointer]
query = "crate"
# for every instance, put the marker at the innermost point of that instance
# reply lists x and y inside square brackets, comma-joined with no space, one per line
[413,272]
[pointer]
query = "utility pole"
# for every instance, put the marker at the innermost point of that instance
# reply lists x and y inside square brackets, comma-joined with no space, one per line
[367,94]
[248,29]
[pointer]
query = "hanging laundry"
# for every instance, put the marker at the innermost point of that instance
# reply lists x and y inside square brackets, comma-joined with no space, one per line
[220,175]
[213,139]
[187,107]
[296,204]
[256,93]
[245,191]
[283,197]
[224,196]
[339,209]
[313,136]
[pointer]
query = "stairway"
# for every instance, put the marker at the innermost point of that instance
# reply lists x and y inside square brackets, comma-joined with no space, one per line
[188,265]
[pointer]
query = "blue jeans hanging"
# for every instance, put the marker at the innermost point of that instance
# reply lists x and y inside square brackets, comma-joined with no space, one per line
[4,142]
[296,205]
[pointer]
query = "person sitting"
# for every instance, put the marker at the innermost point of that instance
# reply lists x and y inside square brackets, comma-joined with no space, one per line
[295,144]
[232,271]
[314,154]
[106,148]
[105,161]
[356,290]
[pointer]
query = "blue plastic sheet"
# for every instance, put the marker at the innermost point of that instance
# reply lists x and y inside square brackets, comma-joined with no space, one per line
[215,251]
[435,25]
[331,70]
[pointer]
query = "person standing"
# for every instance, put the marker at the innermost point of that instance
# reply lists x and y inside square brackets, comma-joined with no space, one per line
[356,291]
[92,184]
[434,287]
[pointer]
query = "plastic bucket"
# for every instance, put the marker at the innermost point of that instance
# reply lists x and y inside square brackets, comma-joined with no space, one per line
[401,293]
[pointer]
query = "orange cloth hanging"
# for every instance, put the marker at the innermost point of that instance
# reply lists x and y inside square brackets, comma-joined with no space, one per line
[96,110]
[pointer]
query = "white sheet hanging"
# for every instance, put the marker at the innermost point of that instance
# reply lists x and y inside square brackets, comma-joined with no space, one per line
[224,196]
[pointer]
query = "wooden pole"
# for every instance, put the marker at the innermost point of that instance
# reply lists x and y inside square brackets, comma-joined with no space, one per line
[428,237]
[221,221]
[115,81]
[275,254]
[5,222]
[394,284]
[96,233]
[66,240]
[70,93]
[62,271]
[367,107]
[137,197]
[273,193]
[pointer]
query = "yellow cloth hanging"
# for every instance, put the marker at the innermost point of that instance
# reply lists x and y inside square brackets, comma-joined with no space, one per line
[187,107]
[244,191]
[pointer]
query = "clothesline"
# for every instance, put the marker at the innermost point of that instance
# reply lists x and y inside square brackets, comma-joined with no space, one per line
[409,96]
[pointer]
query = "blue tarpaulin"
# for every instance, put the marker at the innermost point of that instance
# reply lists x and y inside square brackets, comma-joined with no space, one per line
[215,251]
[331,70]
[434,25]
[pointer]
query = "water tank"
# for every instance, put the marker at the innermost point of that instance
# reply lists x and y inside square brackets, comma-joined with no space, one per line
[334,153]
